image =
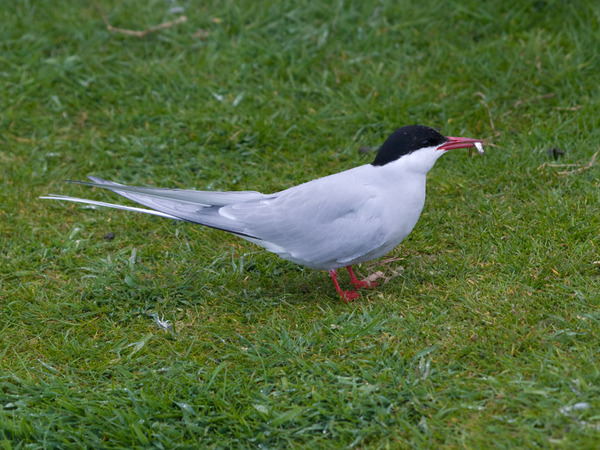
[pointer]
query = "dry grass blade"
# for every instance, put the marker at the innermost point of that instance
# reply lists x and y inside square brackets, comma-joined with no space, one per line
[579,168]
[139,33]
[386,276]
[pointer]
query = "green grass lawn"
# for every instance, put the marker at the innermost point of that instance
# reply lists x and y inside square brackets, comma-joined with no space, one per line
[489,334]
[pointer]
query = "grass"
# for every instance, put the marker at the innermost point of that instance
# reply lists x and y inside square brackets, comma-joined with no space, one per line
[489,336]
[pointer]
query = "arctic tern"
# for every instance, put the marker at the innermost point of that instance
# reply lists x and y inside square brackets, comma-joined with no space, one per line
[336,221]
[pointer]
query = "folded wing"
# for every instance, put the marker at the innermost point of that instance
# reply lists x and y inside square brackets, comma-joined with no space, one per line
[324,224]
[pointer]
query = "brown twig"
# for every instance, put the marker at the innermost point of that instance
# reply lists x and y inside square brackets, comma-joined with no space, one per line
[574,108]
[582,168]
[386,276]
[20,139]
[136,33]
[579,169]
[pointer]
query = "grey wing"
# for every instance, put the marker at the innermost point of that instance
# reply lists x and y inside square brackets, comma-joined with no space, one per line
[324,224]
[313,226]
[193,206]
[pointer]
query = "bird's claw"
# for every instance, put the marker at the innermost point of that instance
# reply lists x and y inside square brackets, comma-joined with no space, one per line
[348,296]
[364,284]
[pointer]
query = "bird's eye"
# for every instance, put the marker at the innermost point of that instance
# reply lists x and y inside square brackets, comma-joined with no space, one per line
[428,143]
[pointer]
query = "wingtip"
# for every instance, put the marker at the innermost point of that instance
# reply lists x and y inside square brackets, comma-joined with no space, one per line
[95,181]
[102,181]
[83,183]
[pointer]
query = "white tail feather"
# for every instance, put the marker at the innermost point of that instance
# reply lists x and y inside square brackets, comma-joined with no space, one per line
[109,205]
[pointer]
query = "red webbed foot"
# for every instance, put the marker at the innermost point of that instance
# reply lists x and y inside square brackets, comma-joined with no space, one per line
[364,284]
[348,296]
[360,283]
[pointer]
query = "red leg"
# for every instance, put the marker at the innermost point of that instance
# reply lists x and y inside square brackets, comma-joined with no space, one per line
[356,282]
[347,296]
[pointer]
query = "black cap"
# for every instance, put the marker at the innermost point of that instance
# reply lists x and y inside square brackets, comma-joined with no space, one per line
[406,140]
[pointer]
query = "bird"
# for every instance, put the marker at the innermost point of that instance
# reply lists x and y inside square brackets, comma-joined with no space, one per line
[332,222]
